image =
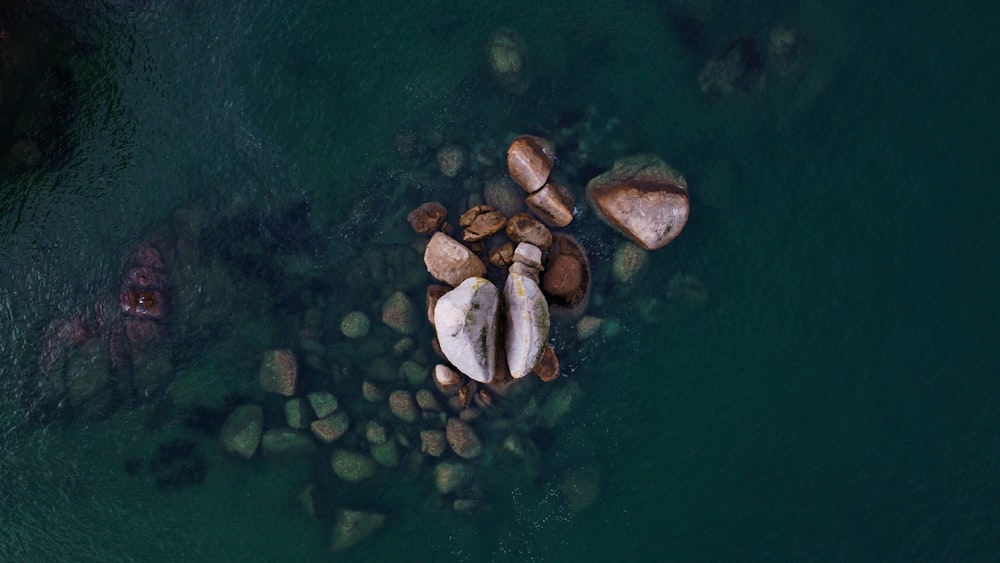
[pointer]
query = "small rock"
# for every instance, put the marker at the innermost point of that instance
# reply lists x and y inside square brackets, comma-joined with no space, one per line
[547,368]
[284,443]
[463,439]
[588,326]
[503,255]
[559,403]
[323,403]
[414,373]
[504,195]
[529,255]
[525,228]
[352,466]
[434,292]
[371,392]
[628,260]
[242,430]
[508,61]
[330,428]
[447,380]
[451,160]
[427,218]
[480,222]
[426,401]
[566,279]
[353,527]
[529,161]
[466,504]
[355,325]
[450,261]
[736,67]
[298,413]
[450,477]
[553,204]
[279,373]
[375,432]
[399,314]
[402,405]
[433,442]
[386,454]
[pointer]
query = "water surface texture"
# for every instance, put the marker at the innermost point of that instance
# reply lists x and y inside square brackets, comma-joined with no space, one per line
[807,373]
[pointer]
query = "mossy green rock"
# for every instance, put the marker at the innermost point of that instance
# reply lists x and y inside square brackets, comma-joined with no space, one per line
[386,454]
[352,466]
[241,432]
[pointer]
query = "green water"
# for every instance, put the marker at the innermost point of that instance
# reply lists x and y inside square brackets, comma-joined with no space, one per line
[834,399]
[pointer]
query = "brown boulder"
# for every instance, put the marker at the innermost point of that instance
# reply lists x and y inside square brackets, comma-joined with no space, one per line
[450,261]
[480,222]
[566,279]
[427,218]
[548,368]
[643,198]
[529,161]
[553,204]
[525,228]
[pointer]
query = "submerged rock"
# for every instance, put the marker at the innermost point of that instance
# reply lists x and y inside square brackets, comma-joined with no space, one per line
[353,527]
[284,443]
[352,466]
[242,430]
[279,372]
[508,60]
[463,439]
[466,322]
[737,66]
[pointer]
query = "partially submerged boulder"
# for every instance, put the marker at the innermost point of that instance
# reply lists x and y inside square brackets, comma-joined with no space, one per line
[450,261]
[527,324]
[466,322]
[643,198]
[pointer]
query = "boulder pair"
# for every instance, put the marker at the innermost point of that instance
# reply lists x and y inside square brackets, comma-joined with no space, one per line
[467,320]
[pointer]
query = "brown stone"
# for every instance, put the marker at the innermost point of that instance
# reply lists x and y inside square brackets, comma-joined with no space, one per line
[480,222]
[426,400]
[447,380]
[330,428]
[427,218]
[450,261]
[529,161]
[434,292]
[566,279]
[503,255]
[553,204]
[399,314]
[548,368]
[525,228]
[643,198]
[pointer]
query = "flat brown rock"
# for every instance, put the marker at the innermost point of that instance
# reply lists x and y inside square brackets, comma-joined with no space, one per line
[480,222]
[427,218]
[525,228]
[643,198]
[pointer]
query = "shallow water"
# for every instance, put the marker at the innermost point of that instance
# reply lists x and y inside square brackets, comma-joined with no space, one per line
[834,398]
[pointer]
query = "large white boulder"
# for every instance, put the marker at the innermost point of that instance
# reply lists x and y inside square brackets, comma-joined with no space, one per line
[527,328]
[466,322]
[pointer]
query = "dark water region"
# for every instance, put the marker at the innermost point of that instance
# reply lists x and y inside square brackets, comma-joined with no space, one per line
[806,373]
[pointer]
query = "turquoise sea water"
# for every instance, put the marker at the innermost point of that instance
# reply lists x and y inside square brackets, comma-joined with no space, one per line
[835,398]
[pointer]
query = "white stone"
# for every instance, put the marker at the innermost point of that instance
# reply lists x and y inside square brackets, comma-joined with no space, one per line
[529,255]
[466,322]
[527,327]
